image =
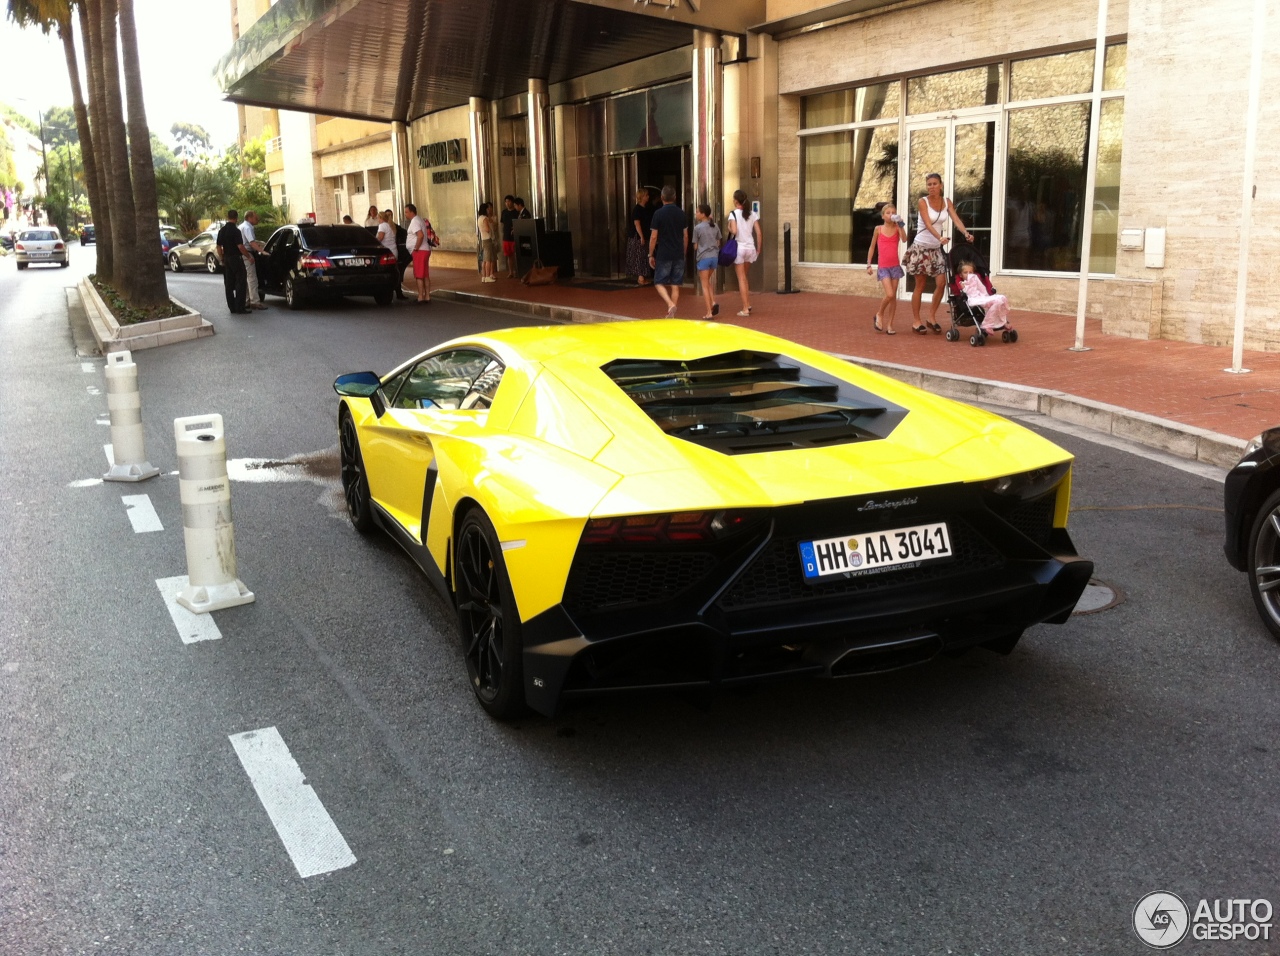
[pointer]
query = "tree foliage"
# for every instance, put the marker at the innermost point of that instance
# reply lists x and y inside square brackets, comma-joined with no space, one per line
[60,126]
[187,195]
[192,139]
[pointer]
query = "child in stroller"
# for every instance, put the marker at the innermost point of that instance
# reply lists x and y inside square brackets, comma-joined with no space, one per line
[973,299]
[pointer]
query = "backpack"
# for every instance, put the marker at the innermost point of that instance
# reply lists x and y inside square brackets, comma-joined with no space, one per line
[433,240]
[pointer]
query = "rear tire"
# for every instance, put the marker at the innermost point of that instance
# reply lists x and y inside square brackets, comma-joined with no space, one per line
[175,265]
[1013,335]
[22,265]
[488,620]
[952,335]
[974,341]
[211,264]
[383,298]
[1005,644]
[65,263]
[292,295]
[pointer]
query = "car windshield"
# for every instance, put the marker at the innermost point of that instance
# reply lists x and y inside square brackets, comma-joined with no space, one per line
[326,237]
[745,401]
[38,235]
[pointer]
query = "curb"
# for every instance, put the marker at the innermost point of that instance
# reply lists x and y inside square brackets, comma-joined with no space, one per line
[1184,441]
[113,337]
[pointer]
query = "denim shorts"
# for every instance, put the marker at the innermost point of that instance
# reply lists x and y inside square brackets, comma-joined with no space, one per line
[893,272]
[707,264]
[668,272]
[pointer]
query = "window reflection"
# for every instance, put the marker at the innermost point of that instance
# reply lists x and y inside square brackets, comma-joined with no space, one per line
[845,175]
[957,90]
[1106,193]
[1115,66]
[1044,76]
[850,106]
[1044,182]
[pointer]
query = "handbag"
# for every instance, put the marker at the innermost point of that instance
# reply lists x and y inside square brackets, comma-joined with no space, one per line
[729,251]
[540,274]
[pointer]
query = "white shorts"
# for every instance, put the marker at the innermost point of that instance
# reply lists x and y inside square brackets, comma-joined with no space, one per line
[746,254]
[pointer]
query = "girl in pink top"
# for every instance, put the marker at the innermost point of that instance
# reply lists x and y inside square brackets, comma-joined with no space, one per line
[884,242]
[977,291]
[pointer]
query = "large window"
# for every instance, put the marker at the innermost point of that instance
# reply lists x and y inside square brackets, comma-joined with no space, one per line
[1029,181]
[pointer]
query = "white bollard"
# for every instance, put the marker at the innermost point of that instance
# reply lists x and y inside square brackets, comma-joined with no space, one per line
[210,537]
[128,451]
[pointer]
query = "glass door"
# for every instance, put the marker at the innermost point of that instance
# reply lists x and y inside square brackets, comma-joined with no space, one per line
[963,151]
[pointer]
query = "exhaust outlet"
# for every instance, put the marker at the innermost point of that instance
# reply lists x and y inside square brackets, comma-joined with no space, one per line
[851,658]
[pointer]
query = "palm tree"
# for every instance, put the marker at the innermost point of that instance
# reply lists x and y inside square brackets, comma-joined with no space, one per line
[119,183]
[97,123]
[149,287]
[188,195]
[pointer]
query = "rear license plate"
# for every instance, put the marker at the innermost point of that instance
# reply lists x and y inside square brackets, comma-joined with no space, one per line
[858,554]
[356,262]
[38,255]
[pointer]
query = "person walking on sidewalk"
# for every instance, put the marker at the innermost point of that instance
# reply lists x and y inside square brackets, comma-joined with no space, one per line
[416,242]
[745,228]
[253,246]
[925,256]
[231,250]
[884,242]
[706,242]
[486,228]
[668,242]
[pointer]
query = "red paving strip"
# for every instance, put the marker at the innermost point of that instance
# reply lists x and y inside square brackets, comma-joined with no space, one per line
[1179,381]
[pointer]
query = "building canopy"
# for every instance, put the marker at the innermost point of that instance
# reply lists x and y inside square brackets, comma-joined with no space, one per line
[399,59]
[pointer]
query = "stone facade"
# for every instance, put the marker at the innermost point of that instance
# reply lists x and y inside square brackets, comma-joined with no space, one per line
[1183,145]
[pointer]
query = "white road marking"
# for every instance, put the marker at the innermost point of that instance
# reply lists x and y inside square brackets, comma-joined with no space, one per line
[142,513]
[94,390]
[110,452]
[84,483]
[87,367]
[191,627]
[308,833]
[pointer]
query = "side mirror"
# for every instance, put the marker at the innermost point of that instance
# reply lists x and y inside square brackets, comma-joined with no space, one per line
[357,384]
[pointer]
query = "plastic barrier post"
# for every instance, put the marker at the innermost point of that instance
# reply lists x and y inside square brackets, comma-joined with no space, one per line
[125,406]
[209,534]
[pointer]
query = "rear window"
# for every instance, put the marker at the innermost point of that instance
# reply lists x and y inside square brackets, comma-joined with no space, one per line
[326,237]
[746,401]
[38,235]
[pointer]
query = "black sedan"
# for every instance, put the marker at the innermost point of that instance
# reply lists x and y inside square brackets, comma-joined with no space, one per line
[1252,503]
[88,234]
[306,262]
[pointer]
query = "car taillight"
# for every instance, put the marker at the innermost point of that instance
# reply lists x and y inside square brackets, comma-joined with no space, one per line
[58,245]
[20,247]
[681,527]
[315,262]
[387,259]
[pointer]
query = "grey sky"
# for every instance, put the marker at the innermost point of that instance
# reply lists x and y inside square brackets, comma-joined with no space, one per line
[179,41]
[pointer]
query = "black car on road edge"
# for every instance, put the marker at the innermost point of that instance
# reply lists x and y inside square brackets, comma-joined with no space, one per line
[305,262]
[1251,499]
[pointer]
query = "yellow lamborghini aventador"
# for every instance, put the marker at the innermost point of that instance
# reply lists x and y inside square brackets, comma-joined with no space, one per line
[684,504]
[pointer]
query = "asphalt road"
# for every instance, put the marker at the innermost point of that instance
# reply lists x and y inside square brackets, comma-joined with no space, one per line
[979,805]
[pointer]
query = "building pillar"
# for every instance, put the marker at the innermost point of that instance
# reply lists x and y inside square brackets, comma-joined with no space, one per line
[706,154]
[401,170]
[481,133]
[539,141]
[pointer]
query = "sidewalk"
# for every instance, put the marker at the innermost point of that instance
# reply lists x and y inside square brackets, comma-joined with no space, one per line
[1134,387]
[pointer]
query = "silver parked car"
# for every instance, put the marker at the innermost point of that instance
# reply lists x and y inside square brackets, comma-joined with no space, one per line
[200,253]
[42,244]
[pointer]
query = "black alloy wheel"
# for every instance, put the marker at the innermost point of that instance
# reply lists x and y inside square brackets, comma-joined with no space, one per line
[488,620]
[1264,562]
[174,264]
[355,484]
[211,264]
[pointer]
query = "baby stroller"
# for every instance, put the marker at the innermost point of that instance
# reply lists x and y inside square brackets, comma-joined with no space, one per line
[963,314]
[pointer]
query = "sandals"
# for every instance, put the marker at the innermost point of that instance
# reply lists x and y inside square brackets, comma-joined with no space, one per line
[889,332]
[920,329]
[875,324]
[935,326]
[745,313]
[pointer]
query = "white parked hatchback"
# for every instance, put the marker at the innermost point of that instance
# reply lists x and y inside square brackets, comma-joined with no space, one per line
[41,244]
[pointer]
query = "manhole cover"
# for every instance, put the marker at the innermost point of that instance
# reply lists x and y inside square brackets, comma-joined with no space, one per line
[1098,596]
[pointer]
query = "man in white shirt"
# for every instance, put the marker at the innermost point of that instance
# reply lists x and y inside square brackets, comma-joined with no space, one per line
[416,242]
[250,265]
